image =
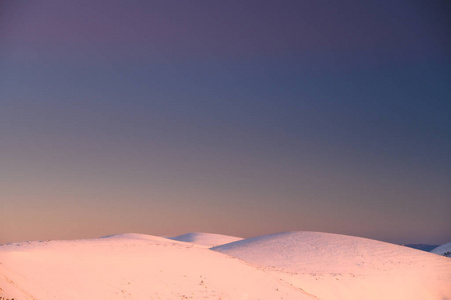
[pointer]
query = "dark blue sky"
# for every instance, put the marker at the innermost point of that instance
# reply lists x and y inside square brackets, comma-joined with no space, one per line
[236,117]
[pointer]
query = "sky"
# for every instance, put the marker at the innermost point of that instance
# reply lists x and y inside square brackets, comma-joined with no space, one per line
[236,117]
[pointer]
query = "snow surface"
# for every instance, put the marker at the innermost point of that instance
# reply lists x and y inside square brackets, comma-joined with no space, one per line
[206,239]
[295,265]
[440,250]
[131,266]
[332,266]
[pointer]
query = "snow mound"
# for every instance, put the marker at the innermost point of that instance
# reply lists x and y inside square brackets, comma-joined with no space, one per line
[350,267]
[206,239]
[131,266]
[441,250]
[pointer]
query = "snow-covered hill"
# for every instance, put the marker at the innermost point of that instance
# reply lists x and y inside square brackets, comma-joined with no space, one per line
[294,265]
[131,266]
[206,239]
[333,266]
[441,250]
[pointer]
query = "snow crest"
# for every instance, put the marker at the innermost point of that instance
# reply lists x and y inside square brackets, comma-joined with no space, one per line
[443,249]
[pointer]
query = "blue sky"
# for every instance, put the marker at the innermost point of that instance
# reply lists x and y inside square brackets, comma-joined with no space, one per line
[237,118]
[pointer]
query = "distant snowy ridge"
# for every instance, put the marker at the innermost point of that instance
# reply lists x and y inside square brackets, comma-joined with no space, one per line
[443,249]
[206,239]
[131,236]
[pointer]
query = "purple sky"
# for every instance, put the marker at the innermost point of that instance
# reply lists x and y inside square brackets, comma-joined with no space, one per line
[235,117]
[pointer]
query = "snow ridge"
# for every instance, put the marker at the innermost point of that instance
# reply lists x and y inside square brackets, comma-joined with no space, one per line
[441,250]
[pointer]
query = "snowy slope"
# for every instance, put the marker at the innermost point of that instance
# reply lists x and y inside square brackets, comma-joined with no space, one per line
[333,266]
[206,239]
[441,250]
[131,266]
[295,265]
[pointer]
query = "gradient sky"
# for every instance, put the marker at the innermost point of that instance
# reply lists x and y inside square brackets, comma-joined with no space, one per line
[236,117]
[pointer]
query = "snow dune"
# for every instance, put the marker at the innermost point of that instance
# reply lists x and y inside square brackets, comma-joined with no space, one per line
[206,239]
[441,250]
[131,266]
[333,266]
[293,265]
